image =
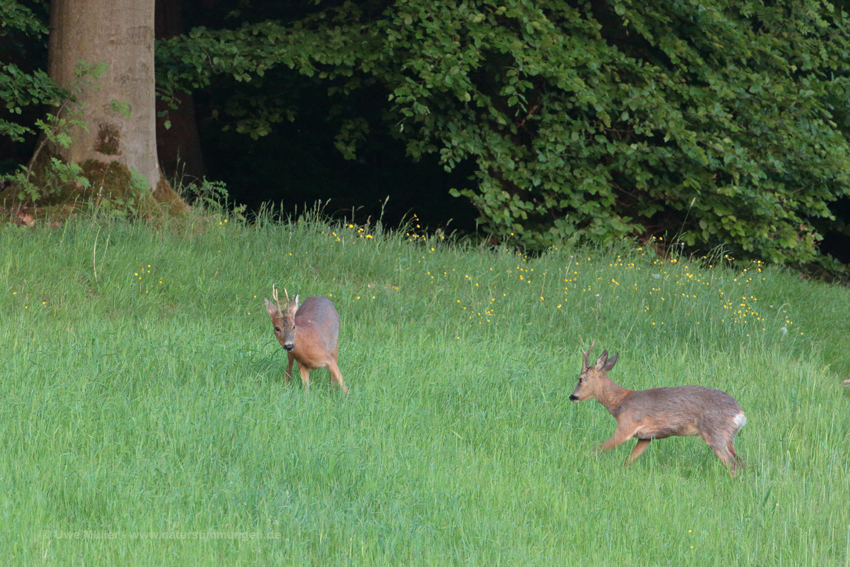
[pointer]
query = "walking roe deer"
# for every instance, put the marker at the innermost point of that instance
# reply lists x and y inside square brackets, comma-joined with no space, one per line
[309,333]
[662,412]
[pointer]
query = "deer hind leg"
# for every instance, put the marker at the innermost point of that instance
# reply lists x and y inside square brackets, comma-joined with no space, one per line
[736,460]
[336,375]
[727,458]
[724,449]
[726,453]
[641,446]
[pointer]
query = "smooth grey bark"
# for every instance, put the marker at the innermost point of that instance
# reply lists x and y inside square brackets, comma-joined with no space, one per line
[119,33]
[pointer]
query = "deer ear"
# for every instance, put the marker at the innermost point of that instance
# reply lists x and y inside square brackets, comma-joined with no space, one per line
[600,362]
[609,364]
[271,308]
[292,307]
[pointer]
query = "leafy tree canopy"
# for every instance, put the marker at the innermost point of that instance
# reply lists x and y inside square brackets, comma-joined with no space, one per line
[722,123]
[719,123]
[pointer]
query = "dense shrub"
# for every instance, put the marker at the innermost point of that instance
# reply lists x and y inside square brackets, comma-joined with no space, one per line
[722,124]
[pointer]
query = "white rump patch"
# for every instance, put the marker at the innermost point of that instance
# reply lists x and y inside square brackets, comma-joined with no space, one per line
[740,420]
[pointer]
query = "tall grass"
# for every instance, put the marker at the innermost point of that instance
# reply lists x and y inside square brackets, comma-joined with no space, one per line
[145,419]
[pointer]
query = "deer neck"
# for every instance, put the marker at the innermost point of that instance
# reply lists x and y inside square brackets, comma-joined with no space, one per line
[612,395]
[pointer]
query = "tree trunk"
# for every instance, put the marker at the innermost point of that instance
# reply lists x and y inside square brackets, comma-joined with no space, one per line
[179,146]
[119,105]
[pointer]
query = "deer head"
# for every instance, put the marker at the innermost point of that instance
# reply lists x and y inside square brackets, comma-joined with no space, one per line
[593,378]
[283,319]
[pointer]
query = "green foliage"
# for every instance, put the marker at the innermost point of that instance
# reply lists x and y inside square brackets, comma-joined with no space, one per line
[16,16]
[46,175]
[190,62]
[18,88]
[122,108]
[721,124]
[55,173]
[212,197]
[145,419]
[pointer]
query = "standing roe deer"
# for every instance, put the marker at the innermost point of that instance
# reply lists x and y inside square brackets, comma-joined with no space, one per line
[662,412]
[309,333]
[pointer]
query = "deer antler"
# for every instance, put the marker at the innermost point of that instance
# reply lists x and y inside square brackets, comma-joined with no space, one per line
[587,354]
[274,295]
[287,294]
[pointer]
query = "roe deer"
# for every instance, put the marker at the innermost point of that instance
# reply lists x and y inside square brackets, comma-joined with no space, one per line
[309,332]
[662,412]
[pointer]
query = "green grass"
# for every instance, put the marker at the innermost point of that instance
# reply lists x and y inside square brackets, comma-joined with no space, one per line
[145,419]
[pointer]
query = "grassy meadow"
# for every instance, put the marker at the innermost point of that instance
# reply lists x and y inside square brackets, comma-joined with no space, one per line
[145,419]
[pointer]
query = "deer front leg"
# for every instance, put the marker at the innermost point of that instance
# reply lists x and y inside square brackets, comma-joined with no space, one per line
[621,435]
[291,359]
[305,375]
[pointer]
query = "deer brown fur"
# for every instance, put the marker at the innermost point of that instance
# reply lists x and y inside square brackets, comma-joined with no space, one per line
[662,412]
[309,333]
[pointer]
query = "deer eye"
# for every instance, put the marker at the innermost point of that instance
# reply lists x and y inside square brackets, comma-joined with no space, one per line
[277,329]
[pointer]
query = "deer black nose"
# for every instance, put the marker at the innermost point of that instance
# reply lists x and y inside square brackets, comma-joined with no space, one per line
[573,397]
[289,347]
